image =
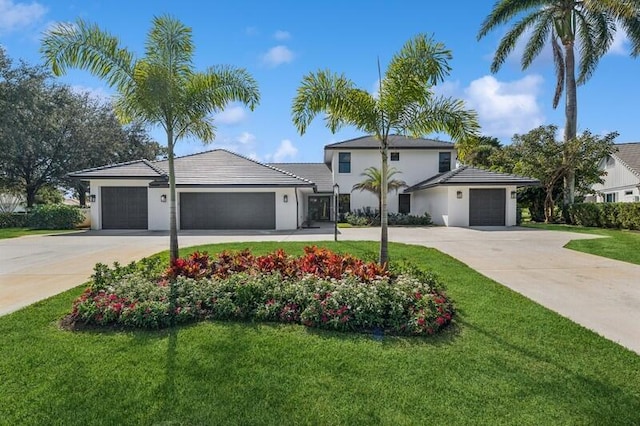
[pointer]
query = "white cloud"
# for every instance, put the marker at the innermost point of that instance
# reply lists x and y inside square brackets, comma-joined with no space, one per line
[246,138]
[286,151]
[506,108]
[277,55]
[282,35]
[231,115]
[619,43]
[98,93]
[14,16]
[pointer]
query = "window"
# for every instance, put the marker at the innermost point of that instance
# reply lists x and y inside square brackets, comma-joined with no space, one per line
[395,156]
[444,162]
[344,162]
[404,203]
[344,203]
[610,198]
[610,163]
[628,192]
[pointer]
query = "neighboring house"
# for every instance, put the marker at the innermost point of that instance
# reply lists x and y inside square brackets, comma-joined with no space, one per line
[622,178]
[219,189]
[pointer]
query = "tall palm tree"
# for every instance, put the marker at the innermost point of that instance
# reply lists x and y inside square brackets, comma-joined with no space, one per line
[162,88]
[405,104]
[373,182]
[588,24]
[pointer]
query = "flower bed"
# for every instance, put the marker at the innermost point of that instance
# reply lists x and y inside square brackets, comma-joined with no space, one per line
[319,289]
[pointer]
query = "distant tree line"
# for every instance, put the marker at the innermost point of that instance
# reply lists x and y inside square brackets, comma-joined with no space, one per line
[48,130]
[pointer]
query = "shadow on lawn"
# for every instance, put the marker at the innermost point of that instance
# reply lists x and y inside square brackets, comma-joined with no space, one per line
[568,384]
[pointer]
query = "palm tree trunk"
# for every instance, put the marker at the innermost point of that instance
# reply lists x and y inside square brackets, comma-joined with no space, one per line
[173,229]
[570,128]
[384,189]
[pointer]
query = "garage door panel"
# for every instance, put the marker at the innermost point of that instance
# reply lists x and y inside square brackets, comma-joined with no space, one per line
[487,207]
[124,207]
[227,210]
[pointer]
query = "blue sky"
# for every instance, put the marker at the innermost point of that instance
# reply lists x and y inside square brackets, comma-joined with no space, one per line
[279,42]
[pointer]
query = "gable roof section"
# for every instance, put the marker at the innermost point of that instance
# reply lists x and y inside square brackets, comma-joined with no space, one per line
[129,170]
[395,142]
[629,155]
[222,168]
[473,176]
[318,173]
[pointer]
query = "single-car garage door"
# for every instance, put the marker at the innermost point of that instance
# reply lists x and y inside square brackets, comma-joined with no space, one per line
[124,207]
[487,207]
[228,210]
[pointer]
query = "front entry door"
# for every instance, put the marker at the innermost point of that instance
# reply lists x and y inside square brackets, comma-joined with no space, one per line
[320,208]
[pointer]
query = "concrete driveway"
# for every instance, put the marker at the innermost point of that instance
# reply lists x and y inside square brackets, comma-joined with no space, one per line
[598,293]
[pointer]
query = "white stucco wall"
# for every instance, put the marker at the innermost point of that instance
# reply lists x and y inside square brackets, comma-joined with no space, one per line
[416,165]
[447,209]
[434,201]
[158,211]
[96,206]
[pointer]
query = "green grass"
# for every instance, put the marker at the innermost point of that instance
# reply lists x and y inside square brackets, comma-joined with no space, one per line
[508,360]
[20,232]
[621,245]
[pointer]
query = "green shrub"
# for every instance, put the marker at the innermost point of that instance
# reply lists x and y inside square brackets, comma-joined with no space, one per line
[410,303]
[13,220]
[606,215]
[55,216]
[369,217]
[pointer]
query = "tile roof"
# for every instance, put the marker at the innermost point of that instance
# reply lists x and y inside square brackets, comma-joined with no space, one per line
[128,170]
[629,155]
[473,176]
[220,167]
[318,173]
[395,142]
[217,167]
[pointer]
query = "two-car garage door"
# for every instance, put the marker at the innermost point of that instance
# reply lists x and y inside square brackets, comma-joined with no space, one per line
[487,207]
[228,210]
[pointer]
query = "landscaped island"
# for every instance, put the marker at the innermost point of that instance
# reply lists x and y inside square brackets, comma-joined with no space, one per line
[319,289]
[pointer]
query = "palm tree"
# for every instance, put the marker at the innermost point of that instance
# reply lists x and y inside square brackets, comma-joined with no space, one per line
[589,24]
[405,104]
[373,182]
[160,89]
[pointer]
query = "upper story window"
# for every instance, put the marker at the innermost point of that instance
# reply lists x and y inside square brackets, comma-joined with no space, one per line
[444,162]
[344,162]
[395,156]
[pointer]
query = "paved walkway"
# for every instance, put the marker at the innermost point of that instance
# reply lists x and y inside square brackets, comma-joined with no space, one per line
[598,293]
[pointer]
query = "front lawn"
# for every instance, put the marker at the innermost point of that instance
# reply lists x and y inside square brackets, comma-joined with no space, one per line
[622,244]
[20,232]
[507,360]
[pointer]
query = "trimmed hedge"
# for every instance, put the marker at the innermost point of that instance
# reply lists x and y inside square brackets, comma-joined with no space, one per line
[372,218]
[13,220]
[55,216]
[606,215]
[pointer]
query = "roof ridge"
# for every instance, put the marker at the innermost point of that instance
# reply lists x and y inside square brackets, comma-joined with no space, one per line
[156,169]
[110,166]
[624,163]
[268,166]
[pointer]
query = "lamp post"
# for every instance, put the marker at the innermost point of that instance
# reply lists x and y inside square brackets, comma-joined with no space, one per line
[336,194]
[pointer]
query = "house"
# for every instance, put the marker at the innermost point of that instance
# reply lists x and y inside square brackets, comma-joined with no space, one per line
[622,178]
[219,189]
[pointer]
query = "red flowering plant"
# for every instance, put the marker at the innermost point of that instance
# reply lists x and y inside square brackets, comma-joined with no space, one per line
[318,289]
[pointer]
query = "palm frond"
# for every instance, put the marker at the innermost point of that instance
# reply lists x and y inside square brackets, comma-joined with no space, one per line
[87,47]
[169,44]
[539,37]
[440,114]
[503,11]
[509,41]
[558,61]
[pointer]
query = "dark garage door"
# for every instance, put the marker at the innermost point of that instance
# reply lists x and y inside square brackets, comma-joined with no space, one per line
[487,207]
[228,210]
[124,207]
